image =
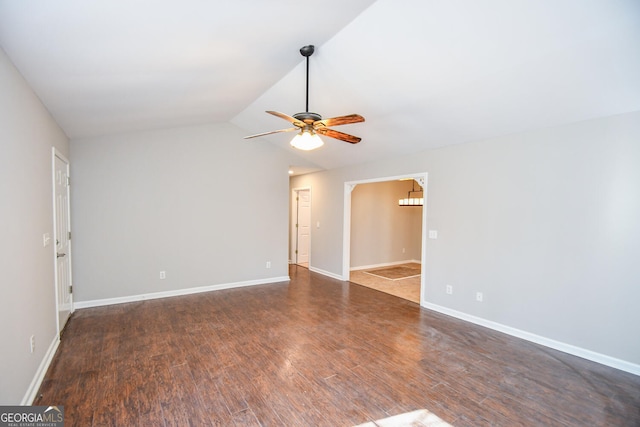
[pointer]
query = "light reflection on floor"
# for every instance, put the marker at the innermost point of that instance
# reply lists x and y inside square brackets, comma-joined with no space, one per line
[419,418]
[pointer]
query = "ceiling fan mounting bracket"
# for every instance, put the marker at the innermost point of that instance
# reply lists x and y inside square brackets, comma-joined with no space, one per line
[307,51]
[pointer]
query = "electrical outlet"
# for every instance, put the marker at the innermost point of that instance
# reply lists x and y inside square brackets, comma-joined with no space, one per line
[32,343]
[268,264]
[479,296]
[163,275]
[449,289]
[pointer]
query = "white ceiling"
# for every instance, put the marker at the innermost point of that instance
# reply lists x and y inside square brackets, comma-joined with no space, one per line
[423,73]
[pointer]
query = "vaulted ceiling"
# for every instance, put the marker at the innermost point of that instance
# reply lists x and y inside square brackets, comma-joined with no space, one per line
[424,74]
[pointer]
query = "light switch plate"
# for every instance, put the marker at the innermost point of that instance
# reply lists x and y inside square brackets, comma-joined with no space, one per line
[433,234]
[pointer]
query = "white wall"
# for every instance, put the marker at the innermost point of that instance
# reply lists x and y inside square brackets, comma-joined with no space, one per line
[27,132]
[380,229]
[544,223]
[200,203]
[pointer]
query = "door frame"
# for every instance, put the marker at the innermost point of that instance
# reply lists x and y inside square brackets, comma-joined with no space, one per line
[56,153]
[421,178]
[294,216]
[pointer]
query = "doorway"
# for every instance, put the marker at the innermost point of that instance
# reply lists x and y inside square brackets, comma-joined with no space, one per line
[301,226]
[62,238]
[421,179]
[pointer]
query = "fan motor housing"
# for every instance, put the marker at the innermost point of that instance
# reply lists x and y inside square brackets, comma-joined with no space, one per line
[308,117]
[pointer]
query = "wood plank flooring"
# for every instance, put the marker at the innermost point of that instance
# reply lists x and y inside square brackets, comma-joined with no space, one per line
[316,352]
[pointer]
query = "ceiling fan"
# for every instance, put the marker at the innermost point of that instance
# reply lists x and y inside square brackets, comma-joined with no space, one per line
[310,124]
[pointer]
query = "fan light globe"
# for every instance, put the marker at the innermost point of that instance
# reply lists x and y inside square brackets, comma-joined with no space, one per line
[306,141]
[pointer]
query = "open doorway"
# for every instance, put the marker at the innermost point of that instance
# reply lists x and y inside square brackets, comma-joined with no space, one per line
[383,241]
[301,226]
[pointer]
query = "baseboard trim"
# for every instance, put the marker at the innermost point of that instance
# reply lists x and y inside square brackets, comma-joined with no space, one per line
[32,391]
[384,264]
[603,359]
[177,292]
[326,273]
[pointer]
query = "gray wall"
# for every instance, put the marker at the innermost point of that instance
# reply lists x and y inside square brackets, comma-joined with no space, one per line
[28,133]
[380,229]
[544,223]
[200,203]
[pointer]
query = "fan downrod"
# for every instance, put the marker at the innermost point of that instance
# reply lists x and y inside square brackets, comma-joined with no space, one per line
[307,51]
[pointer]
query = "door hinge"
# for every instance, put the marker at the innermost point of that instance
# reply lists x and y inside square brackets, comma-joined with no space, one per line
[296,225]
[70,289]
[68,181]
[69,235]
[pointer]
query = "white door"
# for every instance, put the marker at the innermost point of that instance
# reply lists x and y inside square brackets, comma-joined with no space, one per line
[303,226]
[62,238]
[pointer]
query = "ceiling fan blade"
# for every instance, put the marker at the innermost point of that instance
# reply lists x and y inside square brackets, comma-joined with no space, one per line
[288,118]
[269,133]
[342,120]
[338,135]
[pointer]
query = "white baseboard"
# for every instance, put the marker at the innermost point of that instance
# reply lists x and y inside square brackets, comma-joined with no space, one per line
[177,292]
[326,273]
[30,395]
[603,359]
[384,264]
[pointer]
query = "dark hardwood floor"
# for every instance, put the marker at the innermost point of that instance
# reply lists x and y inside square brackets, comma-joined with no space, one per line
[316,352]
